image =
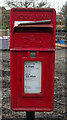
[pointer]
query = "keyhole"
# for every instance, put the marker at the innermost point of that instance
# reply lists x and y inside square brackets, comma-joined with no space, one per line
[20,79]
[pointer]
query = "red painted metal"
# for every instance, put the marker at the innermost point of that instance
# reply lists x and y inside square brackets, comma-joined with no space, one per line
[24,39]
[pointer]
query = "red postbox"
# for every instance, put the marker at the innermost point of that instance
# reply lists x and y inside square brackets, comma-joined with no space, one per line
[32,58]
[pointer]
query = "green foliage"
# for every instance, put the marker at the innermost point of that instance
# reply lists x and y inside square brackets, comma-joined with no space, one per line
[64,13]
[5,26]
[5,19]
[26,3]
[64,10]
[41,4]
[65,28]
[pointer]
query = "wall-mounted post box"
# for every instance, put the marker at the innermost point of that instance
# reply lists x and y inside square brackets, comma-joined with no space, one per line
[32,58]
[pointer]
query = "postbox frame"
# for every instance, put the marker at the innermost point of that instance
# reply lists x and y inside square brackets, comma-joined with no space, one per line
[49,53]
